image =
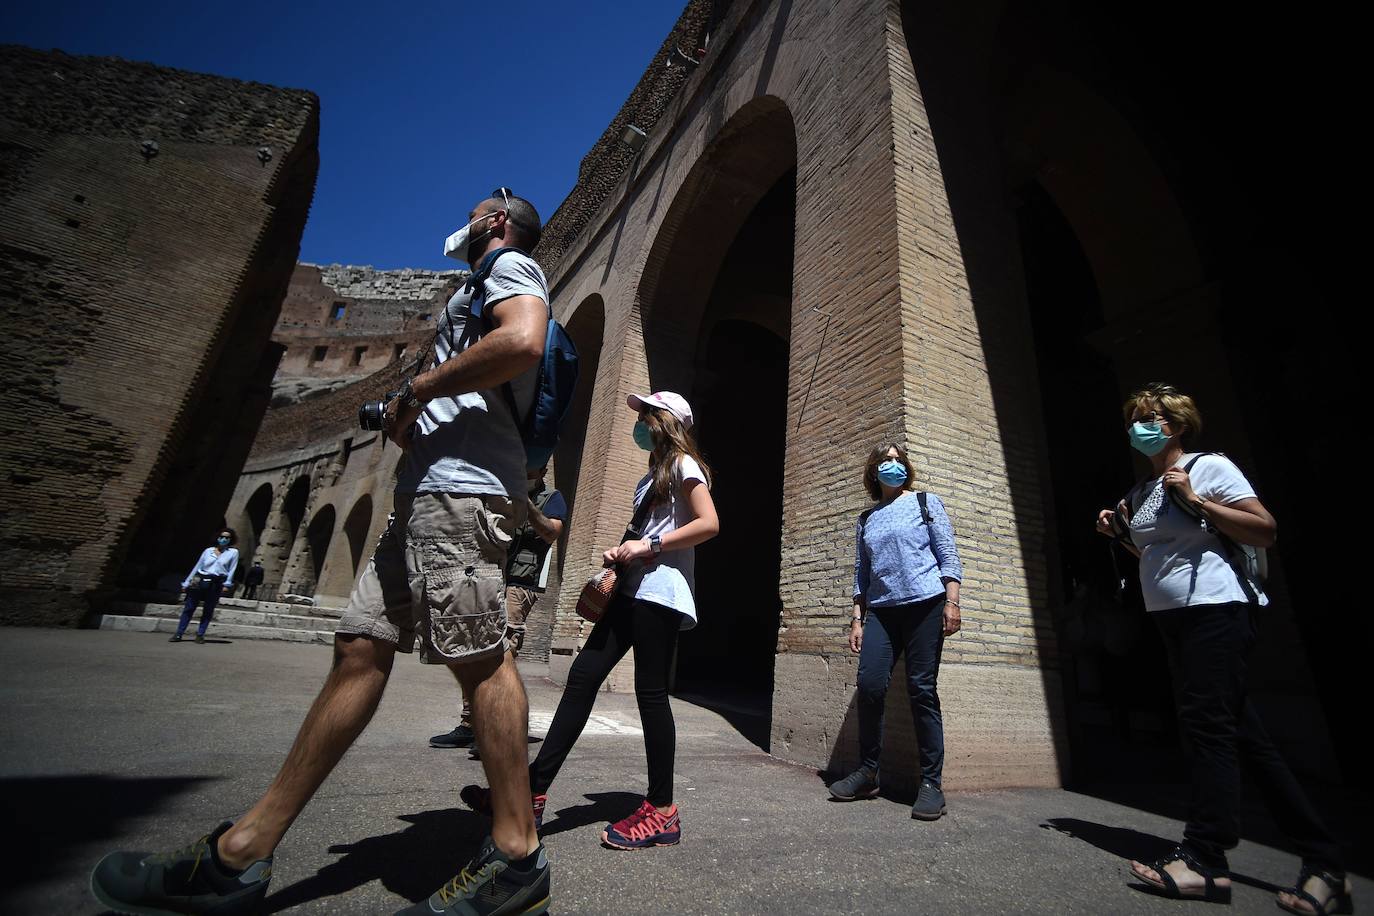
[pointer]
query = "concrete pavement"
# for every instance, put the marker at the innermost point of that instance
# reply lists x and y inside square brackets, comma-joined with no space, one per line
[122,740]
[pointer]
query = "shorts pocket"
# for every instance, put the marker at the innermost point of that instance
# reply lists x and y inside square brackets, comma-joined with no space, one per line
[465,609]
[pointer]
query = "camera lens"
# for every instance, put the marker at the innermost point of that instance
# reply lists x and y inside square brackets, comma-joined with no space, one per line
[370,415]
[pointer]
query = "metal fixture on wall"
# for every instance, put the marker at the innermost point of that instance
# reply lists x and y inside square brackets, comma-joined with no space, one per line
[148,149]
[633,137]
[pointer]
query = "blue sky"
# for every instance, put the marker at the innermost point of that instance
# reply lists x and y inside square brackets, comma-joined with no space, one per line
[424,107]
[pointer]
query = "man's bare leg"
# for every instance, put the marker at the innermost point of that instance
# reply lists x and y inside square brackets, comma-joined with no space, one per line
[500,719]
[339,714]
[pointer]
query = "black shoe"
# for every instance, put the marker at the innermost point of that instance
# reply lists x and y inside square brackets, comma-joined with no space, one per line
[930,803]
[490,886]
[190,880]
[175,638]
[200,638]
[461,736]
[862,783]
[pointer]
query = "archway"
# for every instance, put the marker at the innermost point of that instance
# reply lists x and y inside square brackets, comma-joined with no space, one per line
[586,328]
[317,538]
[255,513]
[356,527]
[716,305]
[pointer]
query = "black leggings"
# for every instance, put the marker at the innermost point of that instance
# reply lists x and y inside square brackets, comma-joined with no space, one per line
[651,630]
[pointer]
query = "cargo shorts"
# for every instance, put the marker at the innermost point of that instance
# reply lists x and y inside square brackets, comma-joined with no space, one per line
[439,573]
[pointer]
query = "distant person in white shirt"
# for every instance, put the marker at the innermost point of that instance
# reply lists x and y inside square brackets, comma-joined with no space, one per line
[212,576]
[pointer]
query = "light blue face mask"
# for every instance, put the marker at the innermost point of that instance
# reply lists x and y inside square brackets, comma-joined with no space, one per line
[643,438]
[892,472]
[223,542]
[1148,438]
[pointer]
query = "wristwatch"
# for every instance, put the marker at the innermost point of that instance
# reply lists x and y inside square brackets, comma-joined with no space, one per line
[406,394]
[655,544]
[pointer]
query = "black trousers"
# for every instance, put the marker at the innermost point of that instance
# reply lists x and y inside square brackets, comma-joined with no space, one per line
[1208,646]
[651,630]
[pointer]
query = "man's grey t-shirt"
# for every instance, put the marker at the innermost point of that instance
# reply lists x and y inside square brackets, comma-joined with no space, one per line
[471,443]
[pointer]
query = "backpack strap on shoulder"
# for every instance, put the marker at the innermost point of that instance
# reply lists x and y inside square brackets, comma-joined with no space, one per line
[925,509]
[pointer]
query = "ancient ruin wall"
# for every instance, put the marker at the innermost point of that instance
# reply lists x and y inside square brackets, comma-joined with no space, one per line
[138,288]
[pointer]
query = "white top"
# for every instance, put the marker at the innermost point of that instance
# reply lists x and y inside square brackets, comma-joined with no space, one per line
[669,579]
[213,563]
[1181,564]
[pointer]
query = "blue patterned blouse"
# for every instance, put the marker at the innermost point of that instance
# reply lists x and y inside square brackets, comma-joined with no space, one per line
[898,559]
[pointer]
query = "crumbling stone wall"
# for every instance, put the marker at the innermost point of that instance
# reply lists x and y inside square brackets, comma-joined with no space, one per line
[138,292]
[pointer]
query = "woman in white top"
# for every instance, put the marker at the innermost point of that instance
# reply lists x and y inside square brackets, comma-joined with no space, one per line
[1187,522]
[653,603]
[212,575]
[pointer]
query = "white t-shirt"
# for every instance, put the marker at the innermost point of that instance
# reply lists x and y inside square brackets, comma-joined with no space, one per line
[668,580]
[470,443]
[1181,564]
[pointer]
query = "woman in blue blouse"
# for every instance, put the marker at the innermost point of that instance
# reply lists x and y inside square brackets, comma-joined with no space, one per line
[212,575]
[906,597]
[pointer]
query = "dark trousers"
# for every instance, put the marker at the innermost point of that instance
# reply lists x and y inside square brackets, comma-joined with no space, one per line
[651,630]
[194,596]
[918,629]
[1208,646]
[250,590]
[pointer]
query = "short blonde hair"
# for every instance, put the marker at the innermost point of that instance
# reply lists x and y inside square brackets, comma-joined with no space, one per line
[1178,408]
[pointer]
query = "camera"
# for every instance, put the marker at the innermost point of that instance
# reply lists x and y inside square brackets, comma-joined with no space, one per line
[372,414]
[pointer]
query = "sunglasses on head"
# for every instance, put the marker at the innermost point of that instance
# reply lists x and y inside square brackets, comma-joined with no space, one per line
[505,194]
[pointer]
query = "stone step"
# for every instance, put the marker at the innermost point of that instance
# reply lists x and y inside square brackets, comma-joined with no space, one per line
[137,608]
[218,630]
[247,618]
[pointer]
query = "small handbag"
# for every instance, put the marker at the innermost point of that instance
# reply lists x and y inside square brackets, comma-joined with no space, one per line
[596,595]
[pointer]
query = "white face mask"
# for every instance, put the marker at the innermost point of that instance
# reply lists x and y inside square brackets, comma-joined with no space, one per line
[456,245]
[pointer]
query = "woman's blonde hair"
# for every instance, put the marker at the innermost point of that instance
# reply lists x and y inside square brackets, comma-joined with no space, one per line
[877,457]
[672,442]
[1178,408]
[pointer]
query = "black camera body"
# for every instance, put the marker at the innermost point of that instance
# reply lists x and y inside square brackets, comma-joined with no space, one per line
[372,414]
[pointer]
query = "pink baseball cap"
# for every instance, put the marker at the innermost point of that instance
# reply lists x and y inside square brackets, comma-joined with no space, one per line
[675,404]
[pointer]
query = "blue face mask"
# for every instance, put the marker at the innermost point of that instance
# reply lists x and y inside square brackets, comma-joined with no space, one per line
[643,438]
[1148,438]
[892,473]
[223,542]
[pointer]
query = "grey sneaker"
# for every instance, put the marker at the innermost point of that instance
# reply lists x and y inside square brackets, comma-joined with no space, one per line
[190,880]
[490,886]
[930,803]
[862,783]
[461,736]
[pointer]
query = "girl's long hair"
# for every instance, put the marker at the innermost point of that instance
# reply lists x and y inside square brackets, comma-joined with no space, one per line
[672,441]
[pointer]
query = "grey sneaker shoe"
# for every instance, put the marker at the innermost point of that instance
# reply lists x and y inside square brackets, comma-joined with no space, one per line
[862,783]
[190,880]
[930,803]
[461,736]
[490,886]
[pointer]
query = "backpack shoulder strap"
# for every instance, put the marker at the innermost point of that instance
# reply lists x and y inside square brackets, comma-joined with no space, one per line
[925,509]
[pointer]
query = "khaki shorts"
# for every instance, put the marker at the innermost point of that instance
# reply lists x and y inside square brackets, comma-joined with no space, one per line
[439,572]
[519,602]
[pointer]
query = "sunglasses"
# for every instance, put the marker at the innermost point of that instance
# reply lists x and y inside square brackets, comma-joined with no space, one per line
[505,194]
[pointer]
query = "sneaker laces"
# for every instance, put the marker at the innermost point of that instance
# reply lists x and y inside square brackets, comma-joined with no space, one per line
[643,824]
[199,848]
[461,882]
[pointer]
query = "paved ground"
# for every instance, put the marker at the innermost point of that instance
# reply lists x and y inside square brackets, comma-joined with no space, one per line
[115,739]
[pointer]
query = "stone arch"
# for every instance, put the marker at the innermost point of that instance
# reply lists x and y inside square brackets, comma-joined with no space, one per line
[715,304]
[318,535]
[356,527]
[587,328]
[255,514]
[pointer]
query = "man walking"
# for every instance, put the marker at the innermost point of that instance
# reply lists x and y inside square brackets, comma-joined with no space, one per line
[252,580]
[437,575]
[527,571]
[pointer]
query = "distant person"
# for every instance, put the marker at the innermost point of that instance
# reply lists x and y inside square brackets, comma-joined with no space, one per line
[212,576]
[652,604]
[252,579]
[527,572]
[906,599]
[1190,521]
[437,576]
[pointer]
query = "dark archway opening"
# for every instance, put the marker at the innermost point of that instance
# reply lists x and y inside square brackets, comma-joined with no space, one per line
[255,511]
[587,328]
[355,529]
[317,537]
[1118,699]
[739,395]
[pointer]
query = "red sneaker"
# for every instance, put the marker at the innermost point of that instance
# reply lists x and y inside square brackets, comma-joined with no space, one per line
[646,827]
[478,798]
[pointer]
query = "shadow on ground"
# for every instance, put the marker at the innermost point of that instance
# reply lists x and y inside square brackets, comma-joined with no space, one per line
[49,818]
[748,711]
[414,862]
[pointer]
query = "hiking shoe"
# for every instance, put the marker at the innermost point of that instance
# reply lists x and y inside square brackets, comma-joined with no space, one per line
[478,798]
[862,783]
[190,880]
[646,827]
[490,885]
[200,638]
[176,638]
[461,736]
[930,802]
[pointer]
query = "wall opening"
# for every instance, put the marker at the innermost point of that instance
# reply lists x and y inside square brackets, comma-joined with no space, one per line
[317,538]
[256,510]
[586,328]
[356,526]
